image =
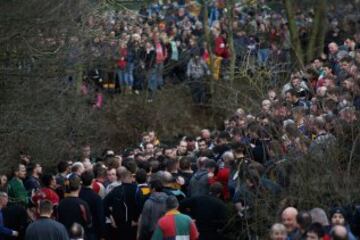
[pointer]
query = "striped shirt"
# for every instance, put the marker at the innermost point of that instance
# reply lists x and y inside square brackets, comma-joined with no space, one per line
[175,226]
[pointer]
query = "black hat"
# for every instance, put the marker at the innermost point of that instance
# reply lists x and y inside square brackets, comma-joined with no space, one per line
[337,210]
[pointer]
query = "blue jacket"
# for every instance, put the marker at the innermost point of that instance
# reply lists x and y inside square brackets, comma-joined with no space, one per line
[4,231]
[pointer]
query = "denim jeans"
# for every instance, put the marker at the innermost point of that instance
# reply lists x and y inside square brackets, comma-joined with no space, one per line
[122,79]
[129,74]
[263,56]
[159,70]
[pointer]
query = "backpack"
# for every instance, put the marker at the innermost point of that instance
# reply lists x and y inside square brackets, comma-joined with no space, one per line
[119,208]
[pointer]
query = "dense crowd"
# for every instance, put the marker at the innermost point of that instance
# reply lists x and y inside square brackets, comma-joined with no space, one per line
[183,191]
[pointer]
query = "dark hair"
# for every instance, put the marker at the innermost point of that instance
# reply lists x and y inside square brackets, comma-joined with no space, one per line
[62,166]
[185,163]
[87,177]
[172,203]
[30,168]
[156,184]
[293,92]
[317,228]
[46,179]
[99,170]
[130,165]
[45,207]
[170,163]
[74,182]
[141,176]
[304,219]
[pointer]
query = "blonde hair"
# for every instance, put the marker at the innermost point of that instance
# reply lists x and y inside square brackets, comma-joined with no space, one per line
[277,227]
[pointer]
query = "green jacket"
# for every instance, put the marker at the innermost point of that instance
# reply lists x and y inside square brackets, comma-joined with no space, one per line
[17,192]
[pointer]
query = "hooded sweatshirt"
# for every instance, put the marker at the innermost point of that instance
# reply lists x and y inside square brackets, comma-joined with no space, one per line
[154,209]
[199,184]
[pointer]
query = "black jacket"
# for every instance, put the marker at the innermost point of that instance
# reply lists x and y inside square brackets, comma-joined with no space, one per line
[74,210]
[97,210]
[210,214]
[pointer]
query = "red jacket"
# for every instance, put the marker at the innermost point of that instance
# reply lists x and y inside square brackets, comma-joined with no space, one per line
[122,61]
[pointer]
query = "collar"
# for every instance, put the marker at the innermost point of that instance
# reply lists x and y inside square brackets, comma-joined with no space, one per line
[172,212]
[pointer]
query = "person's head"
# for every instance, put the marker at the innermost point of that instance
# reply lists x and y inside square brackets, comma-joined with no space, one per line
[3,180]
[141,176]
[63,167]
[337,217]
[278,232]
[156,185]
[185,163]
[201,162]
[34,169]
[319,124]
[206,135]
[272,95]
[74,183]
[77,231]
[45,208]
[318,215]
[99,171]
[152,136]
[182,148]
[304,220]
[78,168]
[86,151]
[20,171]
[87,178]
[339,233]
[291,96]
[145,137]
[202,145]
[288,218]
[48,181]
[124,175]
[315,232]
[171,165]
[149,148]
[266,105]
[333,48]
[111,175]
[172,203]
[3,199]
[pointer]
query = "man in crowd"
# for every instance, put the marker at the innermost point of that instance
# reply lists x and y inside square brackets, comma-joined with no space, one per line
[45,228]
[72,209]
[94,201]
[120,206]
[16,190]
[4,231]
[175,225]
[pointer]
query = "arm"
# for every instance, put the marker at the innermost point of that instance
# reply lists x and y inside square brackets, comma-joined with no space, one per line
[7,231]
[158,235]
[194,234]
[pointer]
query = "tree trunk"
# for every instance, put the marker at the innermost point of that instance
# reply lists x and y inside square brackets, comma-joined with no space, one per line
[230,7]
[318,31]
[294,34]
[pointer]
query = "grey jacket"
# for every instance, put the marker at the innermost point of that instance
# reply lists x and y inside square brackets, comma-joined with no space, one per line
[199,184]
[154,209]
[46,229]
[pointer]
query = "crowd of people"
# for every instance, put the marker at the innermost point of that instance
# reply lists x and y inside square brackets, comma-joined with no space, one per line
[189,190]
[166,42]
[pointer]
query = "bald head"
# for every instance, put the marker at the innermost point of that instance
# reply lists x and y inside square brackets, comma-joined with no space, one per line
[288,218]
[339,233]
[333,48]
